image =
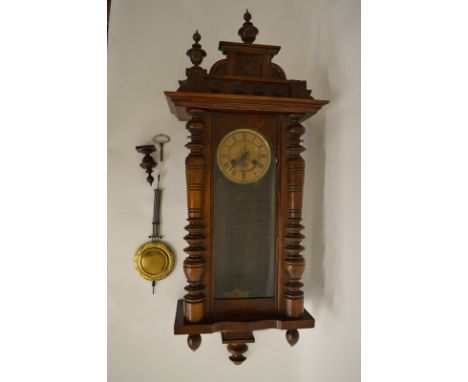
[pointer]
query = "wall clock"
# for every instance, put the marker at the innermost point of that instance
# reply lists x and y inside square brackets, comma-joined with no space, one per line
[245,178]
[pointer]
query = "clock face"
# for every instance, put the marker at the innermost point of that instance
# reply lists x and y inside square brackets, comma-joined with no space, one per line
[244,156]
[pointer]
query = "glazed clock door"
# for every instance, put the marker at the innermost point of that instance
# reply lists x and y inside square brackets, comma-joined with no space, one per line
[244,206]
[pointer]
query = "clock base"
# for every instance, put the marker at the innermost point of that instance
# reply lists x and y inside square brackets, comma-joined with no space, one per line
[237,332]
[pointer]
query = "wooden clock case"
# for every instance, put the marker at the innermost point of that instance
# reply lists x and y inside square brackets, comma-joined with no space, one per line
[245,86]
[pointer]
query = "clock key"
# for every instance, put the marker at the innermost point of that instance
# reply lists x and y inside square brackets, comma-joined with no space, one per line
[161,140]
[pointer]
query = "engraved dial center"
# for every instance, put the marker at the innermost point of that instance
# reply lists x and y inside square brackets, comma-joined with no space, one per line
[244,156]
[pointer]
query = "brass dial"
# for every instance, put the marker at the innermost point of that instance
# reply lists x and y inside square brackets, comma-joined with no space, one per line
[244,156]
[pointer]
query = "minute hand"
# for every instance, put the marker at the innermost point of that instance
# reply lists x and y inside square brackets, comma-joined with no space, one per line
[243,156]
[241,159]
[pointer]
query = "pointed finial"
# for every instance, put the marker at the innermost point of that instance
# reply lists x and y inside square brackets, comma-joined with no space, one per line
[196,53]
[248,32]
[196,36]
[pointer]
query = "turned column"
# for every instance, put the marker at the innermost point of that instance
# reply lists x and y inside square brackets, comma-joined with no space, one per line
[194,264]
[293,261]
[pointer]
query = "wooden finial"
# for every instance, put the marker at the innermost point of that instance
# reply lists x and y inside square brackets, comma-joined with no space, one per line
[194,341]
[196,36]
[196,53]
[248,32]
[147,163]
[292,336]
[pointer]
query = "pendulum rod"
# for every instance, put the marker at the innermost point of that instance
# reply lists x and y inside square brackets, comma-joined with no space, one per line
[156,213]
[155,235]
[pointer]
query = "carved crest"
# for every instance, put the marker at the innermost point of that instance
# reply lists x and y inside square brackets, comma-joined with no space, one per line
[247,69]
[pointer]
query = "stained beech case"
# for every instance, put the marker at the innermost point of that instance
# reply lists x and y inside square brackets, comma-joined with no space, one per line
[245,177]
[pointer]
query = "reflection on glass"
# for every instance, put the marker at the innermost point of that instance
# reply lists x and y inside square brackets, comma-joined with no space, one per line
[244,236]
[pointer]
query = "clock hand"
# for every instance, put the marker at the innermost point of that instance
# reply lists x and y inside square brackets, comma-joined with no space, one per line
[244,155]
[242,158]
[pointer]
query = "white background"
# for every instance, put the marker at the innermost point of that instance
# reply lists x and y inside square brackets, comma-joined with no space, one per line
[53,205]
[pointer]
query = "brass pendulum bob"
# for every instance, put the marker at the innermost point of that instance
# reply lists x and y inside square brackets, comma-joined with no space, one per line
[154,260]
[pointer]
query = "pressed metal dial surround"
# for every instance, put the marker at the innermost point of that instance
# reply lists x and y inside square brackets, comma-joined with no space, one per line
[244,156]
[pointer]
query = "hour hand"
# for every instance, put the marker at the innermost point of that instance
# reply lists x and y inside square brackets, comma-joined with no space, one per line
[243,156]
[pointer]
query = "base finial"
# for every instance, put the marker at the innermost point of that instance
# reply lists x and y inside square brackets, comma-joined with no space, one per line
[292,336]
[237,351]
[194,341]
